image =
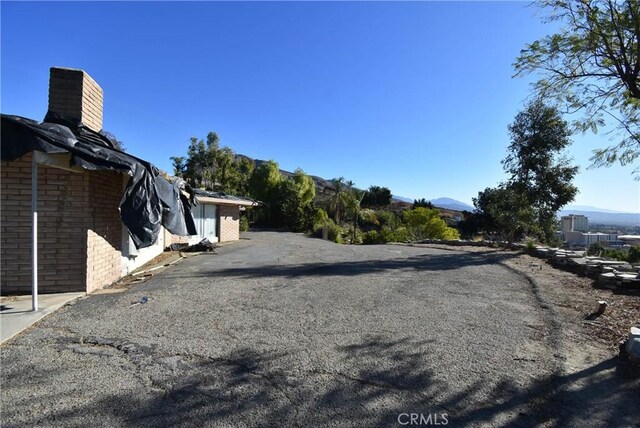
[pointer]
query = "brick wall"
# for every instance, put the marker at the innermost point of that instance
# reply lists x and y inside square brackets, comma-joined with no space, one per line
[61,243]
[170,238]
[78,228]
[104,229]
[75,94]
[229,216]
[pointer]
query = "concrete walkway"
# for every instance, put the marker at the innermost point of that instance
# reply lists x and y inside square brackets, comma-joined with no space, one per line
[16,314]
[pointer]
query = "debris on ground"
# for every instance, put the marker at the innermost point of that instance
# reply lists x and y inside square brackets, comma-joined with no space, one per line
[201,247]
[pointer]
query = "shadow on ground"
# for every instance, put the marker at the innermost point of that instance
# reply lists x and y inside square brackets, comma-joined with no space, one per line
[437,262]
[371,385]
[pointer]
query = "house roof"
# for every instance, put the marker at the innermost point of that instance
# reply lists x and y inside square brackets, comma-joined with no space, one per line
[221,198]
[149,200]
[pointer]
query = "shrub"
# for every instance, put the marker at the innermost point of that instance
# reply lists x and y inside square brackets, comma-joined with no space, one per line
[385,235]
[424,223]
[634,254]
[368,219]
[244,224]
[595,249]
[334,232]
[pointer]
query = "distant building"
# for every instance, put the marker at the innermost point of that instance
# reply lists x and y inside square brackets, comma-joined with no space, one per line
[574,223]
[630,239]
[587,239]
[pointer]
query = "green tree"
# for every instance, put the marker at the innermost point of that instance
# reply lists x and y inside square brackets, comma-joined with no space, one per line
[417,203]
[179,165]
[352,207]
[501,211]
[289,201]
[264,185]
[337,199]
[591,66]
[245,169]
[207,165]
[376,197]
[424,223]
[540,175]
[305,186]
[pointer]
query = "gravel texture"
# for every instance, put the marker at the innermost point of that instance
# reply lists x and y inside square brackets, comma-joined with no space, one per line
[284,330]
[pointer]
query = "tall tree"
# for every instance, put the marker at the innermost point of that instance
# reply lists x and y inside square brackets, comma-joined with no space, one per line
[591,66]
[422,203]
[377,197]
[336,202]
[539,171]
[265,180]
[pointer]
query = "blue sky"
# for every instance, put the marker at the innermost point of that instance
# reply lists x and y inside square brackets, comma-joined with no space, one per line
[415,96]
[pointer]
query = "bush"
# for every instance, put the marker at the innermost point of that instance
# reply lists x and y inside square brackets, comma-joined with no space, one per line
[372,237]
[244,224]
[368,219]
[634,254]
[423,223]
[595,249]
[334,232]
[385,235]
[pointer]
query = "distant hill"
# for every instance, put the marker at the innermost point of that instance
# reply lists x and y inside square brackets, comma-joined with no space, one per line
[572,207]
[451,204]
[402,199]
[321,183]
[606,218]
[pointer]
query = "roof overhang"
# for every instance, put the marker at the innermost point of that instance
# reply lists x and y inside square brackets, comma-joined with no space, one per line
[221,201]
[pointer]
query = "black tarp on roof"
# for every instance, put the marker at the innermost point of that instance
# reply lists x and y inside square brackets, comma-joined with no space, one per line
[149,201]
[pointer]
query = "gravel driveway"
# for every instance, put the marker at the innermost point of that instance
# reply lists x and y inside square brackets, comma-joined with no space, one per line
[284,330]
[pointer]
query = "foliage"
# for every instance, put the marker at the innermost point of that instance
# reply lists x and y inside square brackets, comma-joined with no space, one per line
[503,212]
[633,256]
[425,223]
[472,224]
[388,218]
[376,197]
[209,166]
[422,203]
[288,201]
[244,223]
[334,232]
[368,219]
[540,175]
[117,144]
[539,184]
[385,235]
[291,207]
[591,66]
[338,199]
[595,249]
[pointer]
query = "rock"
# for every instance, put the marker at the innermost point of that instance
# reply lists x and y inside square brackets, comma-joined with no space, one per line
[633,345]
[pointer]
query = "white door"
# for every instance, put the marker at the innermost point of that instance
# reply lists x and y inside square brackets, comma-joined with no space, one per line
[209,223]
[205,217]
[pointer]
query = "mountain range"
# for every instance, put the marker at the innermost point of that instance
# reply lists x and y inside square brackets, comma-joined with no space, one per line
[596,215]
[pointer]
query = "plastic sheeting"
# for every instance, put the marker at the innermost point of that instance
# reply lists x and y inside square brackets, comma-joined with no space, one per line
[149,200]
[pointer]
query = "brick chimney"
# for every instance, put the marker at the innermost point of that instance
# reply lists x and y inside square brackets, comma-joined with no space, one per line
[74,95]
